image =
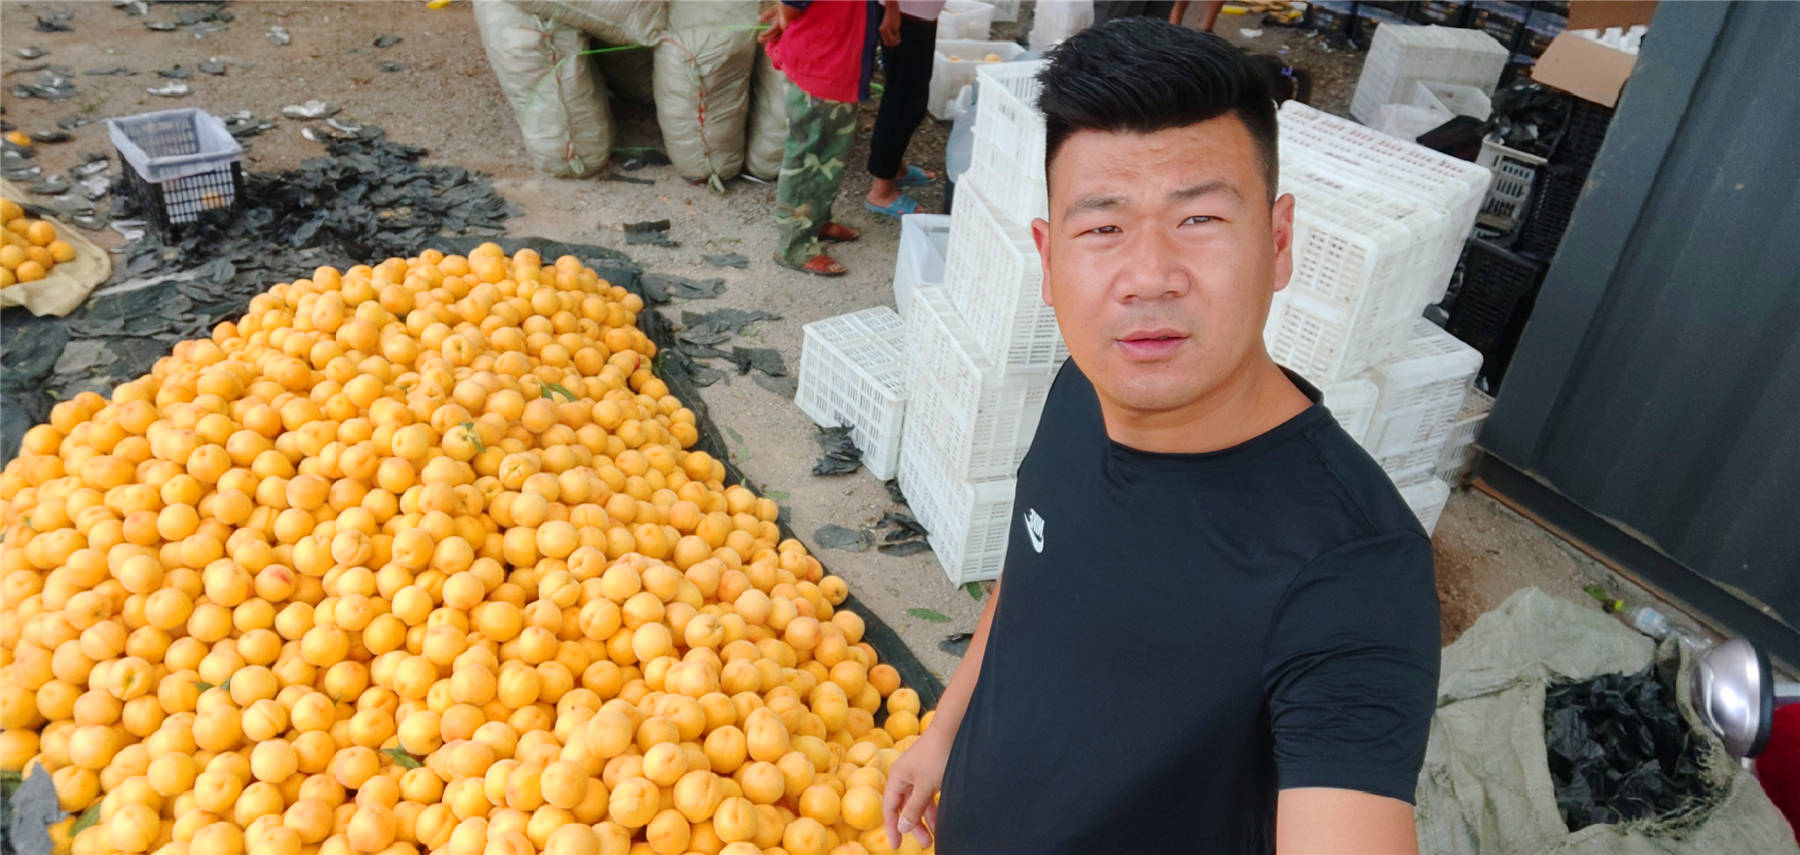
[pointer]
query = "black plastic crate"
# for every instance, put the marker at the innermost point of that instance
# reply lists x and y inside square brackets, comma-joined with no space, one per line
[1504,21]
[1583,134]
[1493,301]
[1330,16]
[1444,13]
[1362,30]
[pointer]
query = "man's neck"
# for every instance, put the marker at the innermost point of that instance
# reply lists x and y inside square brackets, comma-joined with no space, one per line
[1252,401]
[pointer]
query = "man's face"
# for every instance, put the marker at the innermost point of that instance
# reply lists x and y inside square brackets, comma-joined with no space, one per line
[1160,258]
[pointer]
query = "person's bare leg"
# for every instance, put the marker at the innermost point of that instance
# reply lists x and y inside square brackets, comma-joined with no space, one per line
[1209,13]
[883,192]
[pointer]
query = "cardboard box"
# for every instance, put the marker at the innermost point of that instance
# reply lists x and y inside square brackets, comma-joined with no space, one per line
[1592,15]
[1584,68]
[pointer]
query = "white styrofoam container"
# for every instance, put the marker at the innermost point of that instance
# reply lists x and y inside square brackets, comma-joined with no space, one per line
[851,374]
[1453,98]
[1005,11]
[1401,56]
[995,279]
[1422,391]
[1352,403]
[980,419]
[1008,155]
[1514,174]
[1459,450]
[1401,166]
[965,19]
[1426,497]
[954,67]
[1056,20]
[966,523]
[919,262]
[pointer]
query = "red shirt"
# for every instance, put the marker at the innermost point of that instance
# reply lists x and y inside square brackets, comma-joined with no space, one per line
[829,50]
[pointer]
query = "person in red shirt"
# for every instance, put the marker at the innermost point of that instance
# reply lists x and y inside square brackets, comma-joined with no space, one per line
[827,51]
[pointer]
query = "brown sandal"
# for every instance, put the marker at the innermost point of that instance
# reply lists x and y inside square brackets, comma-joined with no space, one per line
[819,265]
[838,233]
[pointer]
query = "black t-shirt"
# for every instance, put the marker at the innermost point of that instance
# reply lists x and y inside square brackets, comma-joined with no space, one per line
[1179,636]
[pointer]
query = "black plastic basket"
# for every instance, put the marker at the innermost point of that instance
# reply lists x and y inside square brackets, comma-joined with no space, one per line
[1559,183]
[178,164]
[1493,299]
[1330,16]
[1447,13]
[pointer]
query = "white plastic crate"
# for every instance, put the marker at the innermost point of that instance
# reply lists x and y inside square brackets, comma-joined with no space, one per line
[1352,403]
[851,374]
[1398,165]
[924,241]
[955,65]
[965,19]
[1453,98]
[1007,158]
[1426,498]
[1005,11]
[1459,450]
[1401,56]
[179,163]
[1422,390]
[980,419]
[1056,20]
[967,524]
[1409,275]
[994,278]
[1514,174]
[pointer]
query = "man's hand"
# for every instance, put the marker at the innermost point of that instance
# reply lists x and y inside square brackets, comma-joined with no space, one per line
[776,18]
[890,24]
[912,783]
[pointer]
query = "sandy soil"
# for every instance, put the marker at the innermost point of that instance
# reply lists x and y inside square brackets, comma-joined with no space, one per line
[447,100]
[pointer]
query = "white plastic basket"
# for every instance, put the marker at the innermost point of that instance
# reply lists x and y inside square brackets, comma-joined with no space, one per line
[967,524]
[1007,159]
[1056,20]
[994,278]
[1360,204]
[1401,56]
[1426,497]
[180,163]
[955,65]
[1422,391]
[1352,403]
[1400,166]
[924,241]
[1005,11]
[1453,98]
[965,19]
[851,374]
[1459,450]
[980,420]
[1514,174]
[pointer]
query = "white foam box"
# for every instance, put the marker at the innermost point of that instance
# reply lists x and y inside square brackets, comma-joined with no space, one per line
[966,523]
[1422,390]
[980,418]
[954,67]
[995,280]
[851,374]
[1402,56]
[924,241]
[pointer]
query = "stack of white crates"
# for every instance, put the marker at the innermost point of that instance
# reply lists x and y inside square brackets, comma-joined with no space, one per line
[1378,224]
[982,349]
[1402,56]
[851,375]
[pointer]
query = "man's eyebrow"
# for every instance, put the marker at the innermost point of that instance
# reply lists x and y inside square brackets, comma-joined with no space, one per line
[1210,188]
[1094,202]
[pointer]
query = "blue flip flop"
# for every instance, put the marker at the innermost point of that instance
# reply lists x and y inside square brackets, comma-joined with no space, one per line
[900,207]
[915,177]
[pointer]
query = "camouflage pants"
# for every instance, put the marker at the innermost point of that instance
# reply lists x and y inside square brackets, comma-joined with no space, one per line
[818,145]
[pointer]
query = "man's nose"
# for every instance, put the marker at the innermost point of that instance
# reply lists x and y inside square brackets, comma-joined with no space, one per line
[1152,267]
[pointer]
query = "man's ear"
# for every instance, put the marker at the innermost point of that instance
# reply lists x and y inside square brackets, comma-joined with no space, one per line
[1281,227]
[1040,235]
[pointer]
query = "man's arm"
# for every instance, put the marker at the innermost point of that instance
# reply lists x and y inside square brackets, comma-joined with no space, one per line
[915,778]
[1326,821]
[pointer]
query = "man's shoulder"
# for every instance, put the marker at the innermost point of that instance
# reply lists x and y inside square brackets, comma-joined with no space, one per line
[1347,494]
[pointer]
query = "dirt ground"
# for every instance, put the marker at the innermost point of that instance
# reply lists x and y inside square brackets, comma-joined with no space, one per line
[447,100]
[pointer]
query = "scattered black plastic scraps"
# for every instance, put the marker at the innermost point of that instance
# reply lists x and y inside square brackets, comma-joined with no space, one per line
[841,456]
[893,491]
[834,536]
[1619,750]
[1528,117]
[660,288]
[387,41]
[55,22]
[764,359]
[729,259]
[956,644]
[651,232]
[907,536]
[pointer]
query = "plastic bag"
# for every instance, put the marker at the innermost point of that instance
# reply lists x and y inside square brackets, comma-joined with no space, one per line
[615,22]
[702,79]
[554,89]
[767,138]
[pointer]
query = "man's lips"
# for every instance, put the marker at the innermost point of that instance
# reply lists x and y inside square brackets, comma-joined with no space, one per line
[1150,345]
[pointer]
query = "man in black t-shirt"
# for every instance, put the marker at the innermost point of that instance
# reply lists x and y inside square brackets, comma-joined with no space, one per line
[1218,627]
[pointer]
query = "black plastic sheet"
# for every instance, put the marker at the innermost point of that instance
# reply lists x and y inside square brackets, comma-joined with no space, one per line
[1619,750]
[841,456]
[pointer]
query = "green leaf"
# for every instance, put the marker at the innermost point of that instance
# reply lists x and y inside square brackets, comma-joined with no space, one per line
[735,437]
[973,589]
[54,395]
[560,390]
[203,685]
[475,436]
[87,820]
[928,614]
[777,495]
[404,759]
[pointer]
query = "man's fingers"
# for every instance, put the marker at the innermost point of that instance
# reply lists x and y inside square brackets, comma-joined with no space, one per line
[916,802]
[928,825]
[891,800]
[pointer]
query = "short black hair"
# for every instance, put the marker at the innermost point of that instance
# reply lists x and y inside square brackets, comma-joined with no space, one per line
[1142,75]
